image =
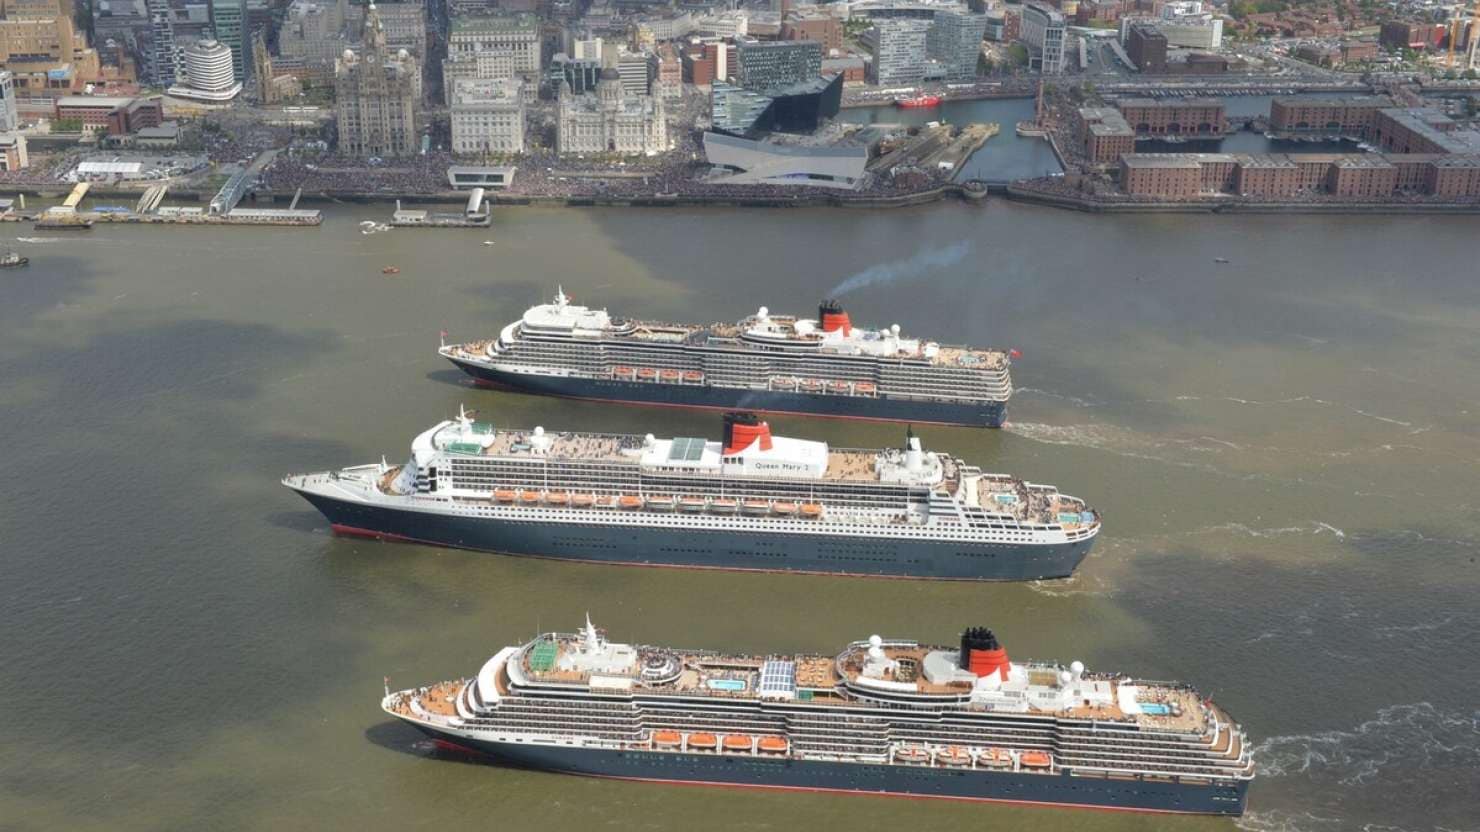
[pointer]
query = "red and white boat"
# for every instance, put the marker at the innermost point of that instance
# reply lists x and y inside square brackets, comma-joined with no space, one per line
[918,102]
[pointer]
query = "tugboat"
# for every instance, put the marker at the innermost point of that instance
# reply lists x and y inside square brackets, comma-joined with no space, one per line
[11,260]
[921,101]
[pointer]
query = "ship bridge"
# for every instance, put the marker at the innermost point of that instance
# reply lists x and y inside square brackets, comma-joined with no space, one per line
[561,316]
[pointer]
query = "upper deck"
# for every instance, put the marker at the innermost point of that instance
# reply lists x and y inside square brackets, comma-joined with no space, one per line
[866,674]
[831,333]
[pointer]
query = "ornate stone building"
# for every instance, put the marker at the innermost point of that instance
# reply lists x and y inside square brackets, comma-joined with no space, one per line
[377,96]
[611,121]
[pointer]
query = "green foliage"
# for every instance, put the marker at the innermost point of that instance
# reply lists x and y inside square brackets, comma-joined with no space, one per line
[66,125]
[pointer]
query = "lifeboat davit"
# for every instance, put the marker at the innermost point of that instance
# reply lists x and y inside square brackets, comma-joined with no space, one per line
[702,741]
[582,500]
[629,501]
[1035,759]
[667,739]
[773,745]
[737,742]
[504,495]
[811,510]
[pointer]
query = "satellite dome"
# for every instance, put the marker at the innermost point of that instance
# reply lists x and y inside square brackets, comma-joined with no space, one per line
[403,54]
[875,641]
[349,54]
[539,431]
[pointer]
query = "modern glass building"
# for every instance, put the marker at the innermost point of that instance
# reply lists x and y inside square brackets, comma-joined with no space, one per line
[229,20]
[955,41]
[768,65]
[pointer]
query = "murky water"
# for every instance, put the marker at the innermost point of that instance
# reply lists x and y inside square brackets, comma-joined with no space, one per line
[1284,448]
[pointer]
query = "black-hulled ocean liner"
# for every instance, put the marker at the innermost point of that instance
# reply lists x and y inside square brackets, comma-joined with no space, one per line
[749,501]
[882,716]
[770,363]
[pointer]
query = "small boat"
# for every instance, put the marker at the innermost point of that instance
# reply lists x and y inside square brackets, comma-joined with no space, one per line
[838,387]
[811,385]
[995,758]
[582,500]
[669,375]
[622,372]
[12,260]
[912,754]
[367,224]
[786,383]
[390,270]
[1035,759]
[917,102]
[864,387]
[723,506]
[811,510]
[487,242]
[772,745]
[557,498]
[529,497]
[691,504]
[629,502]
[647,373]
[737,742]
[755,506]
[955,756]
[1220,259]
[504,495]
[785,508]
[661,503]
[693,376]
[603,501]
[667,739]
[703,741]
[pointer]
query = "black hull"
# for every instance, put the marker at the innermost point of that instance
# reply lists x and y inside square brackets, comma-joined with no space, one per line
[882,408]
[900,780]
[708,548]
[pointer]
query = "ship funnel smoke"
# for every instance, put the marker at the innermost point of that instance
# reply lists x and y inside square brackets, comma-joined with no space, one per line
[933,258]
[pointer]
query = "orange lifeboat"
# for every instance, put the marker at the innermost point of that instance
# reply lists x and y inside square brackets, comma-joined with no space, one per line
[811,510]
[955,756]
[838,387]
[693,376]
[722,506]
[773,745]
[629,501]
[528,497]
[702,741]
[786,383]
[669,375]
[1035,759]
[603,501]
[996,758]
[582,500]
[785,508]
[622,372]
[737,742]
[667,739]
[504,495]
[864,387]
[647,374]
[557,498]
[913,754]
[811,384]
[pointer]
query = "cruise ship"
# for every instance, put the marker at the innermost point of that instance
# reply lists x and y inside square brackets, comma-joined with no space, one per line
[883,716]
[748,501]
[769,363]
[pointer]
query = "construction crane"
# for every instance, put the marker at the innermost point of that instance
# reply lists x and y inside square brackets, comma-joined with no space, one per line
[1474,32]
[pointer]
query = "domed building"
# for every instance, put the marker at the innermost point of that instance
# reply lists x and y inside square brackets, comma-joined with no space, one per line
[376,96]
[611,120]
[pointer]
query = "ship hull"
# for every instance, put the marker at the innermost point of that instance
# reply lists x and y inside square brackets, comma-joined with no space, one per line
[988,414]
[684,546]
[863,778]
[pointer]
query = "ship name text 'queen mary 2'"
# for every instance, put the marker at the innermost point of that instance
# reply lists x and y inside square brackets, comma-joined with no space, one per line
[772,363]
